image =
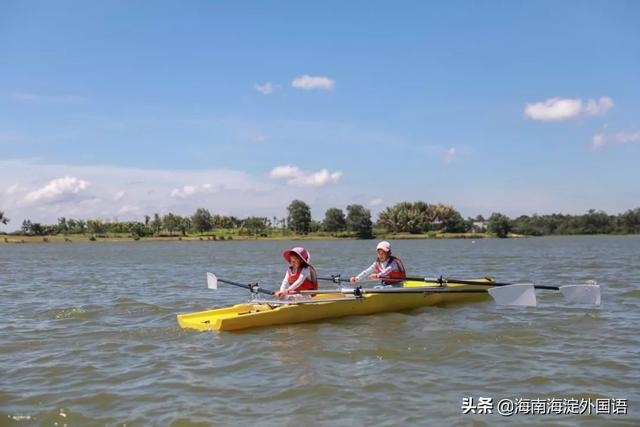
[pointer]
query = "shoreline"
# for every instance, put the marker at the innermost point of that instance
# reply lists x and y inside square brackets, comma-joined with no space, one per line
[86,238]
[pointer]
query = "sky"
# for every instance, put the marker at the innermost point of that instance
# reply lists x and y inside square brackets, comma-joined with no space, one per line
[118,109]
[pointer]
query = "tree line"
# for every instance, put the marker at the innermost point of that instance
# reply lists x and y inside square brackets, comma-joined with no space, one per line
[405,217]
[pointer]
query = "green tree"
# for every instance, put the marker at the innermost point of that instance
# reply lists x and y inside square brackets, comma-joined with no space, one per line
[63,227]
[334,220]
[596,222]
[156,224]
[171,222]
[255,225]
[138,229]
[499,224]
[3,218]
[96,226]
[455,223]
[415,217]
[26,227]
[315,226]
[37,229]
[359,221]
[629,222]
[185,225]
[202,220]
[299,218]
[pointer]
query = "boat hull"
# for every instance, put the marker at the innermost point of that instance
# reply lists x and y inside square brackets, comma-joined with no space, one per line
[253,315]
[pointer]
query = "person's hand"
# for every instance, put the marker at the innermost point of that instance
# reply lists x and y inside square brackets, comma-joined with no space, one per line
[353,279]
[279,294]
[374,276]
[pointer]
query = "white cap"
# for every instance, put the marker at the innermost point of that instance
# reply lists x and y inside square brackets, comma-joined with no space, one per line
[384,245]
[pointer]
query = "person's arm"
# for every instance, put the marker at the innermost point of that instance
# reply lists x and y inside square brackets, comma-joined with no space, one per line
[285,283]
[365,273]
[295,285]
[388,269]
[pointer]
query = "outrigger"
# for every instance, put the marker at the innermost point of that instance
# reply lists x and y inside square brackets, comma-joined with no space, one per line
[348,301]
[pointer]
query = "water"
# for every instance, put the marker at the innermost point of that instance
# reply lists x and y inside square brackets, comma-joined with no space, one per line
[89,337]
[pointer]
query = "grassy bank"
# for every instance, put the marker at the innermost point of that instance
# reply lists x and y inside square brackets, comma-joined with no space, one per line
[222,235]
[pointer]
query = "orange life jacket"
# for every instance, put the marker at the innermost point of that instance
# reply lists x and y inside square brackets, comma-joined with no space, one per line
[395,276]
[309,284]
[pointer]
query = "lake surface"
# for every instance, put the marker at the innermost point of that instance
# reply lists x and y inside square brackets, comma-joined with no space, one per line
[89,337]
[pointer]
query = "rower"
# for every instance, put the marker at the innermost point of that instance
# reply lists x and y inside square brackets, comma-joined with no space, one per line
[387,268]
[300,275]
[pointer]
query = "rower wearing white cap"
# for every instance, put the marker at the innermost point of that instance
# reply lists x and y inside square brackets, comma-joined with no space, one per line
[387,267]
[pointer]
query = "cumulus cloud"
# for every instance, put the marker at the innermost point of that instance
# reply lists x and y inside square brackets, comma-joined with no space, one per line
[30,98]
[190,190]
[307,82]
[299,178]
[599,140]
[264,89]
[57,187]
[558,109]
[598,107]
[223,191]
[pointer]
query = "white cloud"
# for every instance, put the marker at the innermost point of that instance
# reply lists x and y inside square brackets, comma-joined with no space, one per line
[57,187]
[376,202]
[264,89]
[190,190]
[558,109]
[599,140]
[307,82]
[296,177]
[554,109]
[30,98]
[119,195]
[598,107]
[228,192]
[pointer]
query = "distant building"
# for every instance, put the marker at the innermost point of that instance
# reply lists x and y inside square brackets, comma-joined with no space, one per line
[479,226]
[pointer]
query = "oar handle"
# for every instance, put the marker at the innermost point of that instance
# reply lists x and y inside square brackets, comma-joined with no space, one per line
[251,287]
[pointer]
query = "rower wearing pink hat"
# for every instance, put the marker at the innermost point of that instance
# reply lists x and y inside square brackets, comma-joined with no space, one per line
[388,268]
[300,275]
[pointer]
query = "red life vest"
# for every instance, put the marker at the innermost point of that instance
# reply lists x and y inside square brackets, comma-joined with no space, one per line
[395,276]
[309,284]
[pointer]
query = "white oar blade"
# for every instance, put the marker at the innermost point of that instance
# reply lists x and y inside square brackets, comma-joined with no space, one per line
[582,294]
[522,294]
[212,281]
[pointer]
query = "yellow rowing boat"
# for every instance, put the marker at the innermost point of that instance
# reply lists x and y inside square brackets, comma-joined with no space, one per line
[333,305]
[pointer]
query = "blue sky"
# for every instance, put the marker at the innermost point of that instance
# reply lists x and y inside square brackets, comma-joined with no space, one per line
[116,109]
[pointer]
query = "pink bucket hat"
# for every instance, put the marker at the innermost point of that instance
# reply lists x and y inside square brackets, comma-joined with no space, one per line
[301,252]
[384,245]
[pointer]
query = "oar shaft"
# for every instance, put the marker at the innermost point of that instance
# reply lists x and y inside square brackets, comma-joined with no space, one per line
[471,282]
[335,279]
[245,286]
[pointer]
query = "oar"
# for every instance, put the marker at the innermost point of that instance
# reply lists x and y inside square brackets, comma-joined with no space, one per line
[521,294]
[335,278]
[588,293]
[212,283]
